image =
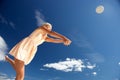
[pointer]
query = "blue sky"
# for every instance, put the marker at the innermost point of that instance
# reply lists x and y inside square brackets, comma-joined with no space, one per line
[93,54]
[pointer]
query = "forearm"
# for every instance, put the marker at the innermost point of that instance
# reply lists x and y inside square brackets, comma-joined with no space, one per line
[65,40]
[53,33]
[56,35]
[53,40]
[58,41]
[61,41]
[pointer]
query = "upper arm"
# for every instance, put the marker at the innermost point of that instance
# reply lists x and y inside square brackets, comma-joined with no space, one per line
[45,30]
[52,33]
[56,35]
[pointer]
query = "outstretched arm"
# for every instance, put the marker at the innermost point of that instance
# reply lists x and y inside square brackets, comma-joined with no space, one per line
[53,33]
[48,39]
[56,35]
[58,38]
[66,41]
[53,40]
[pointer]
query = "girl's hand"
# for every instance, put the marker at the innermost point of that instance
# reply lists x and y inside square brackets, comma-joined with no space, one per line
[67,42]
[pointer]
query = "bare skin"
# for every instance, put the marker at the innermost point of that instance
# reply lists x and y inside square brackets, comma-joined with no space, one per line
[19,65]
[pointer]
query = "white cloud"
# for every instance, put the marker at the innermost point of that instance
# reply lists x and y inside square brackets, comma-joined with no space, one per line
[56,78]
[42,69]
[39,17]
[3,20]
[5,77]
[94,73]
[96,57]
[90,66]
[12,24]
[119,63]
[69,65]
[3,49]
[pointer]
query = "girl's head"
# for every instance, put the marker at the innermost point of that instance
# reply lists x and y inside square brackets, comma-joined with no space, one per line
[47,26]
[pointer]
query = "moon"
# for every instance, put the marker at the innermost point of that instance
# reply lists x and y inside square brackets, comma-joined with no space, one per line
[100,9]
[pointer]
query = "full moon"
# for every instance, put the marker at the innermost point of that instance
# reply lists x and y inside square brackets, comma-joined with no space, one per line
[100,9]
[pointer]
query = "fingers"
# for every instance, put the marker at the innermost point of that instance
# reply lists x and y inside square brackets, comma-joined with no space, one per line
[68,42]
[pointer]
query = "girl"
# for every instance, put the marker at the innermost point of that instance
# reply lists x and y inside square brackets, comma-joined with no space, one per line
[25,50]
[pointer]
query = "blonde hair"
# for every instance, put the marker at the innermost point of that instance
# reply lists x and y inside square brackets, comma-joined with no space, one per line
[48,24]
